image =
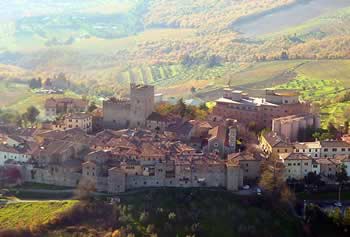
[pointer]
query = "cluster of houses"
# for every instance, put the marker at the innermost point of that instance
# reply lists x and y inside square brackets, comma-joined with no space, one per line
[137,147]
[301,158]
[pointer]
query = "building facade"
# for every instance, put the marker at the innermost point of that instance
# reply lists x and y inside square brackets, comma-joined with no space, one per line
[129,113]
[290,127]
[259,112]
[56,106]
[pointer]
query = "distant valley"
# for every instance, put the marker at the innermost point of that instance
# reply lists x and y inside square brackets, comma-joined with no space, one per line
[178,45]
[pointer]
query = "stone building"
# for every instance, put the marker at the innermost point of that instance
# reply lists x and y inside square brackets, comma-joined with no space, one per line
[75,120]
[259,112]
[273,145]
[289,127]
[130,113]
[250,165]
[157,122]
[331,149]
[297,166]
[56,106]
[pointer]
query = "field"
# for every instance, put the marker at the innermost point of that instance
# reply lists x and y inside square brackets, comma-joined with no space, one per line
[12,93]
[25,214]
[324,86]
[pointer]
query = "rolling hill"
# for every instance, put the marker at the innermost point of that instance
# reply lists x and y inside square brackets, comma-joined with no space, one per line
[175,45]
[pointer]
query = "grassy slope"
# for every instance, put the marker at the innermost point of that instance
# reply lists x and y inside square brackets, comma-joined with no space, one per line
[12,93]
[25,214]
[330,24]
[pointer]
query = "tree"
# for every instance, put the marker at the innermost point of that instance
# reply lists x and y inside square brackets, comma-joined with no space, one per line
[336,216]
[172,216]
[284,55]
[31,114]
[92,106]
[193,89]
[347,113]
[346,219]
[341,178]
[181,108]
[332,130]
[143,217]
[346,127]
[85,190]
[313,179]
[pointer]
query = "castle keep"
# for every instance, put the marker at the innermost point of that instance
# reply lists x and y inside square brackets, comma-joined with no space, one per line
[129,113]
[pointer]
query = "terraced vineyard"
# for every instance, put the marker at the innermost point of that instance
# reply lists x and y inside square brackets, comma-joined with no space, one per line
[165,75]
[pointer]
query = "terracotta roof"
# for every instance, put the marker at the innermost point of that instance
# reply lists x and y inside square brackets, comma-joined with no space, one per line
[52,102]
[245,156]
[218,132]
[294,156]
[307,145]
[324,161]
[334,144]
[274,140]
[78,116]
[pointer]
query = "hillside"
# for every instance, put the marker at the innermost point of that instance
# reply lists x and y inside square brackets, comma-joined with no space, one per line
[166,212]
[103,45]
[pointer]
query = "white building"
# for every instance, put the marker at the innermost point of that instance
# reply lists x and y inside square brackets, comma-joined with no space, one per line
[8,153]
[331,149]
[312,149]
[297,166]
[76,120]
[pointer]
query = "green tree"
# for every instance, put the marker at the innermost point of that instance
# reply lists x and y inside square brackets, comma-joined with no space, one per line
[332,130]
[336,216]
[346,127]
[341,178]
[143,217]
[31,114]
[346,219]
[92,106]
[313,179]
[181,108]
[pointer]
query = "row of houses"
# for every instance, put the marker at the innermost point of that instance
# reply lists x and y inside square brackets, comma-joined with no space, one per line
[301,158]
[298,166]
[273,145]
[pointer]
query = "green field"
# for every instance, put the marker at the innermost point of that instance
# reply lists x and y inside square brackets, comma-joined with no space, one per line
[324,86]
[11,93]
[31,213]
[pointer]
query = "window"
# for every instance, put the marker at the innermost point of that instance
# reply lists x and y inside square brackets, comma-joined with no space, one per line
[306,163]
[326,149]
[334,149]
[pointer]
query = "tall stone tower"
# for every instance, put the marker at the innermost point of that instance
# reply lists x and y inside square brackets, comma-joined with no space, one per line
[142,104]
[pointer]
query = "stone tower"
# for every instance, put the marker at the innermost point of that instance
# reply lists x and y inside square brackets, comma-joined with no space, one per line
[142,104]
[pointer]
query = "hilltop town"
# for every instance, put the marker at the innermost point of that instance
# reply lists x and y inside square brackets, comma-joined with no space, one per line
[126,144]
